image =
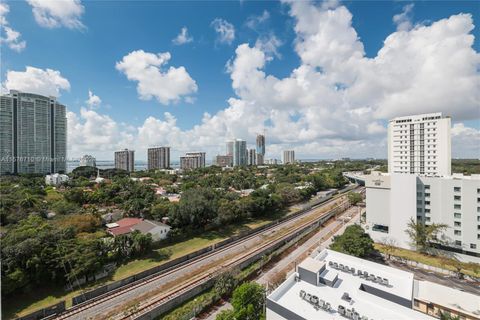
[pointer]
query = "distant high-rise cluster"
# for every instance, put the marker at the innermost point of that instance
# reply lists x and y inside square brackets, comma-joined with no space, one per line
[125,160]
[158,158]
[33,134]
[88,161]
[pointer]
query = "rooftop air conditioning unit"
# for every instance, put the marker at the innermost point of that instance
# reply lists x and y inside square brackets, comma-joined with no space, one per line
[302,294]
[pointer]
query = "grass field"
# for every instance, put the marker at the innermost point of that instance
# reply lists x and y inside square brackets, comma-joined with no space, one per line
[44,297]
[471,269]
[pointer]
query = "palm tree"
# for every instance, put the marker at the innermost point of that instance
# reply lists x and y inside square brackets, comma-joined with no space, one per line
[421,234]
[29,201]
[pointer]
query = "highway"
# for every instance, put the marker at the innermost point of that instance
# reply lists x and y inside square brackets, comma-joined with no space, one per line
[164,286]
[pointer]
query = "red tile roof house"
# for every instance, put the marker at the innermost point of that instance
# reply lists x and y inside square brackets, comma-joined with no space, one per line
[157,229]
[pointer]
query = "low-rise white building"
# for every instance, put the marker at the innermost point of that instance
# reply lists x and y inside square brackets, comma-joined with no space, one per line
[55,179]
[334,285]
[394,199]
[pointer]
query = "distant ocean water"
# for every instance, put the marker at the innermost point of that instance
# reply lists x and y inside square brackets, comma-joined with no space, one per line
[108,164]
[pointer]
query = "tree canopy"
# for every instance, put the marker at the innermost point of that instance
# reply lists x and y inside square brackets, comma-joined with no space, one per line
[354,241]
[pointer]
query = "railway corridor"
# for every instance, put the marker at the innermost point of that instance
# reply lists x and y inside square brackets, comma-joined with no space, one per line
[116,304]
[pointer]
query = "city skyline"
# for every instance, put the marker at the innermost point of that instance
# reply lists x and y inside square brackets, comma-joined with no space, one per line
[266,44]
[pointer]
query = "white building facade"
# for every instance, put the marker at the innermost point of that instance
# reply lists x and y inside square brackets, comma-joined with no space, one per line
[88,160]
[420,144]
[55,179]
[394,199]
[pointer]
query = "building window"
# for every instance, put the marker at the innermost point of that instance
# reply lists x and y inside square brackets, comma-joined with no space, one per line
[458,242]
[427,195]
[473,246]
[457,232]
[427,187]
[457,224]
[427,219]
[457,198]
[457,215]
[427,202]
[380,228]
[427,210]
[457,206]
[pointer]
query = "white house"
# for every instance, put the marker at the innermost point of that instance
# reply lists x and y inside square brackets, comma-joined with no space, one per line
[55,179]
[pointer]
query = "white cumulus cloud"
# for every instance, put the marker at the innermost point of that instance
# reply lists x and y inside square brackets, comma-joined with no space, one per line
[183,37]
[148,69]
[46,82]
[93,133]
[403,20]
[336,101]
[254,21]
[93,100]
[12,37]
[224,29]
[58,13]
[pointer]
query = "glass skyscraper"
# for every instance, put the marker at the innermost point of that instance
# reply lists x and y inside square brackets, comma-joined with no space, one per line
[33,134]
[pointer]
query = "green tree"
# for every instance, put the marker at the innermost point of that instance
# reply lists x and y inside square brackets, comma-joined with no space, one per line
[226,315]
[64,207]
[353,241]
[354,198]
[248,301]
[422,235]
[30,202]
[225,283]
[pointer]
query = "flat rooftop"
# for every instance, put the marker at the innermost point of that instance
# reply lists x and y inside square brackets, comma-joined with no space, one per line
[452,298]
[369,299]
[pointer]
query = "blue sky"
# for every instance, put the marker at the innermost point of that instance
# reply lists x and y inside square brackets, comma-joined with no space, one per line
[86,56]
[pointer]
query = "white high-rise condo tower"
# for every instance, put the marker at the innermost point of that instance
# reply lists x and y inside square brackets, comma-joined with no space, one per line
[33,134]
[420,145]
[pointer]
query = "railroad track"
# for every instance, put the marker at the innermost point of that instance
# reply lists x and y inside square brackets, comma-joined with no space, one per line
[72,312]
[231,263]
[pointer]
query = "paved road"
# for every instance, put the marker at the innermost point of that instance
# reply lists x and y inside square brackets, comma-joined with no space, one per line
[448,281]
[319,240]
[117,303]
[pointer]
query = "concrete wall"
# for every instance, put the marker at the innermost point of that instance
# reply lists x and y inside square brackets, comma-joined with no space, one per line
[308,276]
[45,312]
[403,199]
